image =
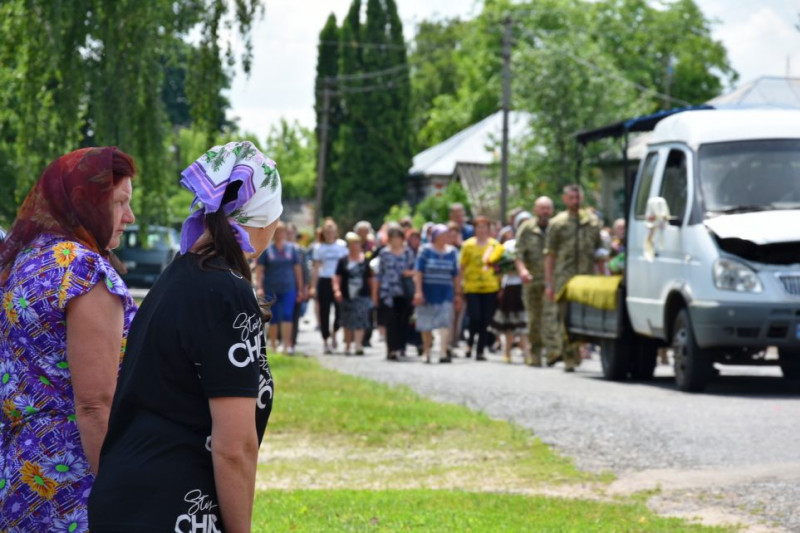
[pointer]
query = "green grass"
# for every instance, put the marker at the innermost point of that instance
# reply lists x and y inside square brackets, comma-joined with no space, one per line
[347,454]
[452,512]
[327,425]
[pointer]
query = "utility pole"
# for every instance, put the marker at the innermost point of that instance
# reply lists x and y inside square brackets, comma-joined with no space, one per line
[323,148]
[506,106]
[668,82]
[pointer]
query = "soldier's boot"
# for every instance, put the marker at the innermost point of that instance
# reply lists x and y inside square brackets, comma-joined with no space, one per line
[572,356]
[534,357]
[552,357]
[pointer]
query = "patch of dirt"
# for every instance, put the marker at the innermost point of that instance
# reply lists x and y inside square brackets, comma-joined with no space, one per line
[686,493]
[288,462]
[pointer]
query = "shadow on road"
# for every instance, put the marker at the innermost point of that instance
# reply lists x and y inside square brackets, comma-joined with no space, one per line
[742,386]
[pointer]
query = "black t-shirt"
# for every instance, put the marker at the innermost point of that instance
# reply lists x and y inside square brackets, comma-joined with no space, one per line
[197,335]
[355,278]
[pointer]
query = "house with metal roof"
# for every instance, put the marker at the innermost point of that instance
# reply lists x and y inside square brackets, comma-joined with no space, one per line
[471,157]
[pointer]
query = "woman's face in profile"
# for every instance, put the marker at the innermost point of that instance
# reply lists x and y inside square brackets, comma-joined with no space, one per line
[122,213]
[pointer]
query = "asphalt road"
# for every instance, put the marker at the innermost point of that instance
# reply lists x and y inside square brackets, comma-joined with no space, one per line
[737,445]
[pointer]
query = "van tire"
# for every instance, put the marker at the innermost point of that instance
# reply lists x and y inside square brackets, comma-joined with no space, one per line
[615,358]
[789,360]
[692,365]
[644,359]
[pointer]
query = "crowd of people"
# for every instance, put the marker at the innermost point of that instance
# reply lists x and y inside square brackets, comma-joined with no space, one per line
[456,289]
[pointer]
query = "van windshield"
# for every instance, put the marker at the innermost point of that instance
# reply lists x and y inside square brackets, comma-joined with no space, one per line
[744,176]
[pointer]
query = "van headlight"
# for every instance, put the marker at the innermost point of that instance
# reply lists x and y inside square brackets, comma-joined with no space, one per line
[730,275]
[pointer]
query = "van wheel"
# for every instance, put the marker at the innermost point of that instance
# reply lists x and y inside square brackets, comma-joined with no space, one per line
[692,364]
[615,358]
[789,359]
[643,362]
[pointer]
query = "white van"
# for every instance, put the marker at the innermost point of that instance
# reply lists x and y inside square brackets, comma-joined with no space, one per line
[713,246]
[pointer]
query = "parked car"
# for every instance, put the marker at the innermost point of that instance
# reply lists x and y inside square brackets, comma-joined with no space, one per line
[146,256]
[713,251]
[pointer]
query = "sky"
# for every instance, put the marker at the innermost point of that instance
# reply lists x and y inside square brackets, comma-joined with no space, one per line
[760,36]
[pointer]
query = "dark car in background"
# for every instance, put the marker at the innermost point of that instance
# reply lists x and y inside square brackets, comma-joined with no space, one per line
[147,254]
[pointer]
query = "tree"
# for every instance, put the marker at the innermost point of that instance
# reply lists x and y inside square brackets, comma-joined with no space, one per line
[386,115]
[350,138]
[293,147]
[327,71]
[372,149]
[473,86]
[84,70]
[436,208]
[670,50]
[435,74]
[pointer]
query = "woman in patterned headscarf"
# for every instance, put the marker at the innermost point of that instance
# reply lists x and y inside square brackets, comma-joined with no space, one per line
[63,322]
[195,390]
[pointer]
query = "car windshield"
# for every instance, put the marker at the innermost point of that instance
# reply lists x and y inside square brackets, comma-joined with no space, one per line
[154,239]
[738,177]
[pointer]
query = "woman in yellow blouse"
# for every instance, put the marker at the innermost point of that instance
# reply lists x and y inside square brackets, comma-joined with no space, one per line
[481,284]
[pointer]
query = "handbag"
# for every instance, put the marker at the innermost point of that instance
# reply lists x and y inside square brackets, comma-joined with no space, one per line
[408,287]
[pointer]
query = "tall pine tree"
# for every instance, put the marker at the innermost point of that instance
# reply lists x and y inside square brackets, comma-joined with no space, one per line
[348,166]
[372,150]
[328,69]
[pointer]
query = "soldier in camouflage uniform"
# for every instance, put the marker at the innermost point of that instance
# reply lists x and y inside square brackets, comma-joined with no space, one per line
[542,316]
[572,241]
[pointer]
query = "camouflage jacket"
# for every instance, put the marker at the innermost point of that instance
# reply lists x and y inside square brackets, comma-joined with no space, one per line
[530,248]
[573,241]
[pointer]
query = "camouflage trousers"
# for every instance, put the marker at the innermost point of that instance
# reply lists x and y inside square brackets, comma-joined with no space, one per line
[543,329]
[570,351]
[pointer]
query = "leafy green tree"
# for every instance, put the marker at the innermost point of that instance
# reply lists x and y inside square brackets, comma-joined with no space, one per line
[435,74]
[293,147]
[668,49]
[436,208]
[93,70]
[471,88]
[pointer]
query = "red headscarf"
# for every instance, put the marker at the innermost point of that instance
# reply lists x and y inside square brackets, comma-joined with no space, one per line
[72,199]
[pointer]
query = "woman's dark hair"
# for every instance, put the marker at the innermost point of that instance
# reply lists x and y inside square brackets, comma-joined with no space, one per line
[223,243]
[395,231]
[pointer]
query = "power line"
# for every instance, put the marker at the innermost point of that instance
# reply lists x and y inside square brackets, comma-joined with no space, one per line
[369,75]
[390,85]
[360,44]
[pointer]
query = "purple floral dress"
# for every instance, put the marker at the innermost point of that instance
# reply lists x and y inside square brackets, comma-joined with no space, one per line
[44,475]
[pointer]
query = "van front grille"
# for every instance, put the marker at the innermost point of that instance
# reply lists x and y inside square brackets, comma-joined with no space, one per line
[791,283]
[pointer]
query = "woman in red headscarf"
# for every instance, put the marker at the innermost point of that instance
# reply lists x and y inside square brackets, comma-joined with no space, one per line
[63,322]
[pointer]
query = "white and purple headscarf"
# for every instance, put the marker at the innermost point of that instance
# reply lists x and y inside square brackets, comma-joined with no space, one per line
[258,203]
